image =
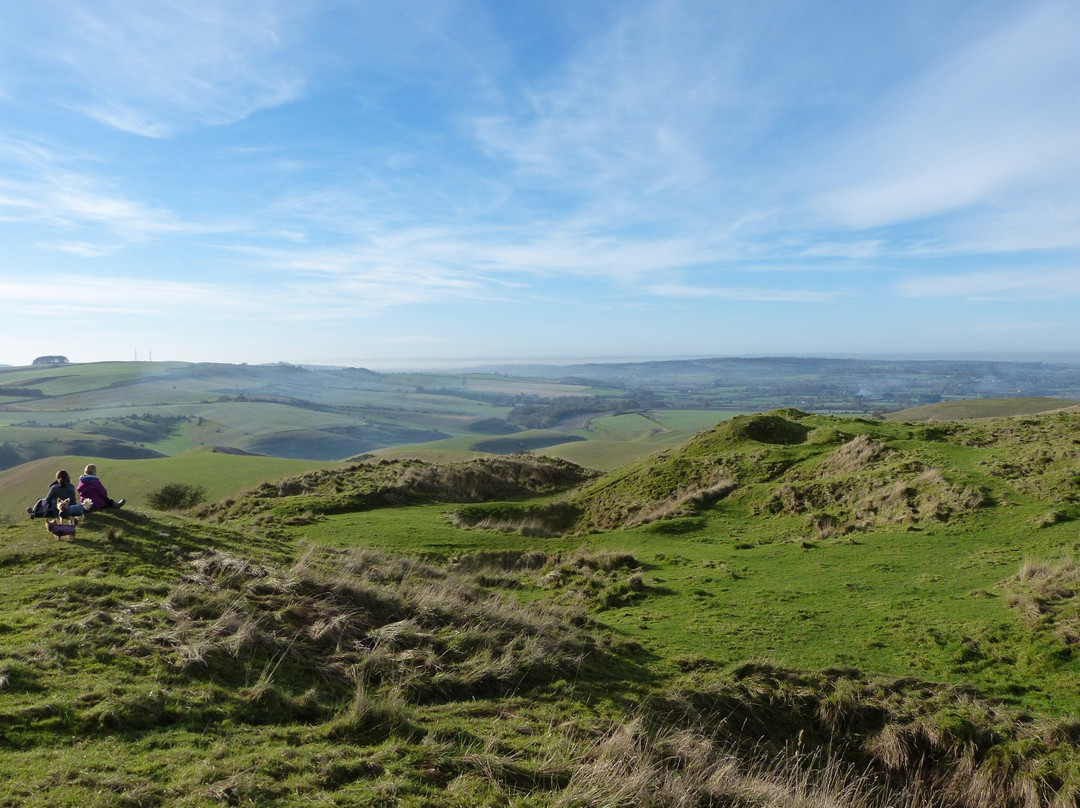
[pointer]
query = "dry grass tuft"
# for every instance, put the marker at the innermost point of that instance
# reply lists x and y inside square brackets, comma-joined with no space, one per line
[1045,595]
[683,502]
[338,618]
[782,738]
[858,453]
[399,482]
[636,765]
[908,495]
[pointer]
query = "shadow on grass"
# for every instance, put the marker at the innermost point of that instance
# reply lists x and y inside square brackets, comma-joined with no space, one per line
[137,538]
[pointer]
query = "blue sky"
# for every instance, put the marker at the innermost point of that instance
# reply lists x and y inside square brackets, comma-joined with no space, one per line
[380,183]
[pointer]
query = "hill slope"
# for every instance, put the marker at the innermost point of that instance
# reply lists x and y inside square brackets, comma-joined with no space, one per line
[914,656]
[846,474]
[983,408]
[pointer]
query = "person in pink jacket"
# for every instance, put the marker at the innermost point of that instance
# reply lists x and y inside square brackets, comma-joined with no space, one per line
[90,488]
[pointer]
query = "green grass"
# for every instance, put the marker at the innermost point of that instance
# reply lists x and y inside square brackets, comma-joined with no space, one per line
[220,474]
[603,455]
[981,408]
[125,410]
[285,651]
[720,591]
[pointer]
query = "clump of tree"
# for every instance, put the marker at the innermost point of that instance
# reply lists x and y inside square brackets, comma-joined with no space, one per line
[548,412]
[176,496]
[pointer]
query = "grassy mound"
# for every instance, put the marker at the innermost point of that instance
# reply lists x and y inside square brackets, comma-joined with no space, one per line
[159,662]
[161,659]
[982,408]
[364,486]
[843,475]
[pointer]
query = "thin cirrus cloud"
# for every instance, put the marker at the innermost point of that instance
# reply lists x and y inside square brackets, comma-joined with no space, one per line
[997,120]
[633,115]
[1041,284]
[123,296]
[746,294]
[42,185]
[156,69]
[69,201]
[178,301]
[350,164]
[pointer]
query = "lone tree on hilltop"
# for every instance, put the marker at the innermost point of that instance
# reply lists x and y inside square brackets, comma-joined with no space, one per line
[51,360]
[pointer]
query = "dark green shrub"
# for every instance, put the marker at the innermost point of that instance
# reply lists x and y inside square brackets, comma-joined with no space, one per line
[175,496]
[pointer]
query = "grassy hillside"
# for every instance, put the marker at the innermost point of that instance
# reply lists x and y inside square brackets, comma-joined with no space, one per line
[788,609]
[132,410]
[840,476]
[219,473]
[982,408]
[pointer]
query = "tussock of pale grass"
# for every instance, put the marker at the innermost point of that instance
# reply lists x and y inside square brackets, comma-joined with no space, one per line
[836,505]
[399,482]
[683,503]
[858,453]
[636,765]
[337,616]
[839,738]
[1045,595]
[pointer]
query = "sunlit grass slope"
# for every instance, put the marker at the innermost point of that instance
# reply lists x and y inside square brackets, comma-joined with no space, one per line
[128,410]
[981,408]
[813,540]
[606,442]
[219,474]
[787,609]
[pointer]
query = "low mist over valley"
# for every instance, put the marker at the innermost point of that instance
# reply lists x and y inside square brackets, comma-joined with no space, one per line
[129,410]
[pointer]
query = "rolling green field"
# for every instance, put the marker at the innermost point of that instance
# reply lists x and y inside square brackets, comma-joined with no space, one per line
[140,410]
[994,408]
[785,609]
[218,473]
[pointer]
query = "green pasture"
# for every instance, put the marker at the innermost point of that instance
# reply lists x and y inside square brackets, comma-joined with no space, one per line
[981,408]
[720,589]
[277,409]
[603,455]
[605,443]
[494,383]
[277,651]
[221,475]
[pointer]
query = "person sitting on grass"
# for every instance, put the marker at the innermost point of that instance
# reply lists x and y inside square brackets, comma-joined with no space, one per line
[59,490]
[90,488]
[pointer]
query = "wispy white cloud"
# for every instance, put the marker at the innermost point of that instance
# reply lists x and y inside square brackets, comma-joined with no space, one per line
[476,262]
[627,113]
[45,186]
[747,294]
[154,69]
[111,295]
[82,248]
[1012,284]
[1002,116]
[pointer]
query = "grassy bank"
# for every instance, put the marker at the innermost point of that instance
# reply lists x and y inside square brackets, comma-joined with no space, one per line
[338,638]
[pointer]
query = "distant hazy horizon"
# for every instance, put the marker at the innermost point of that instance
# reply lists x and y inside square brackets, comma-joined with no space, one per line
[328,182]
[461,364]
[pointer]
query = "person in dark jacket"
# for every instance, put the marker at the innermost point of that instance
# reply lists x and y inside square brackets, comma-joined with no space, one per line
[61,489]
[92,493]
